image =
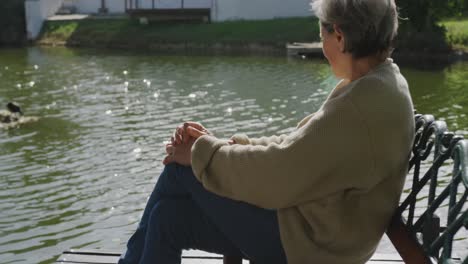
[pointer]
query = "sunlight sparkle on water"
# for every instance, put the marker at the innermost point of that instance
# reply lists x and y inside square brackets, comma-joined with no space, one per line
[18,85]
[147,82]
[31,84]
[36,67]
[49,106]
[171,82]
[137,150]
[192,95]
[229,110]
[108,112]
[125,72]
[156,95]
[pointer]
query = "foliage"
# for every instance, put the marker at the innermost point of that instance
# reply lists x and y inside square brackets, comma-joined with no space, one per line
[12,22]
[425,14]
[420,30]
[457,31]
[457,8]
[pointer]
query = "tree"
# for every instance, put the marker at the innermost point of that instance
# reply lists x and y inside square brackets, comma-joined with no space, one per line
[12,22]
[420,30]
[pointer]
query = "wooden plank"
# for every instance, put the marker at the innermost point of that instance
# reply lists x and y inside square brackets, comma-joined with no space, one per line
[407,247]
[307,49]
[387,257]
[85,256]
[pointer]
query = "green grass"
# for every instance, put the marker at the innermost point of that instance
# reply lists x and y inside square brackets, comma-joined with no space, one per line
[124,32]
[127,31]
[457,32]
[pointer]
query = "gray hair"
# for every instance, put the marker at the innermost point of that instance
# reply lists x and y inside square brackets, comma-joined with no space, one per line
[369,26]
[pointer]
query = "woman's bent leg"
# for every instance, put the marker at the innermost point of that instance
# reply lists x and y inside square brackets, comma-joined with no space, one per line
[176,224]
[254,230]
[165,187]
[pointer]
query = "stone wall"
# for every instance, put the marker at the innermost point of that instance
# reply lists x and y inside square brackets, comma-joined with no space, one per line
[36,11]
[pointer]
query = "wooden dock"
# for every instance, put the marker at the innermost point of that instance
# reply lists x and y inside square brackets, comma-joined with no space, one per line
[297,49]
[189,257]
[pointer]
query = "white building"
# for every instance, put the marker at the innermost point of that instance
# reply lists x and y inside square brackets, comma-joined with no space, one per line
[221,10]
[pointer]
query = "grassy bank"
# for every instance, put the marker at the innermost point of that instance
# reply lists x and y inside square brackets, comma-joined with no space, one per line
[457,32]
[267,34]
[129,33]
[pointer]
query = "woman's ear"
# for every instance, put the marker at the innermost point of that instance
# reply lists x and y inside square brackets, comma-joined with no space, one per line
[340,38]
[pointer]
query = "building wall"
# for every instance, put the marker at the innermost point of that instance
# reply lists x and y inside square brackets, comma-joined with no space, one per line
[36,12]
[221,9]
[259,9]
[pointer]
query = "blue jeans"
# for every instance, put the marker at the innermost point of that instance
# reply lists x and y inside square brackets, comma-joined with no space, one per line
[181,214]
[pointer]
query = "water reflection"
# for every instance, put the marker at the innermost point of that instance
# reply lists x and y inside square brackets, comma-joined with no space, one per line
[80,176]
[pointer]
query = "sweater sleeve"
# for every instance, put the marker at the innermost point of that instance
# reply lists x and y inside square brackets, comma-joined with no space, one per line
[243,139]
[310,163]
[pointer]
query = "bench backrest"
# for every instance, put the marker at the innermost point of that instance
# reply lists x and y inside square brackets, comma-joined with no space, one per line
[439,191]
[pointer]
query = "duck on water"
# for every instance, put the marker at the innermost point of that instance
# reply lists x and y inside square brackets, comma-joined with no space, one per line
[13,116]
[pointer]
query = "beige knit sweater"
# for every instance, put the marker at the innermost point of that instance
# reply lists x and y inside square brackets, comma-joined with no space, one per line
[335,180]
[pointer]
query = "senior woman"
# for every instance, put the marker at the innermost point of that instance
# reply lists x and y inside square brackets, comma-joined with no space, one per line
[321,194]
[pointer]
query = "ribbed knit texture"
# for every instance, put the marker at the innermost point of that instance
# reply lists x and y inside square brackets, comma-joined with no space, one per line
[335,180]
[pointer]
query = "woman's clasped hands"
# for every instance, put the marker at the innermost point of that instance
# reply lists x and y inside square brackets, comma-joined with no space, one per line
[179,150]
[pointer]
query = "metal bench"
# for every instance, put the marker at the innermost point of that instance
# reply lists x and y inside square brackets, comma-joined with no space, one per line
[417,232]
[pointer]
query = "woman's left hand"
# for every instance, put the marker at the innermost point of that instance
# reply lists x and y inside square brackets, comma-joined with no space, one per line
[180,153]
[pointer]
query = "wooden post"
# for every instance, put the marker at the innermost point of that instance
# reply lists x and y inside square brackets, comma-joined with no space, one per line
[103,9]
[232,260]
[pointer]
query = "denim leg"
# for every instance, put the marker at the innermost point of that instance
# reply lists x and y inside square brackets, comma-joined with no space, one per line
[176,224]
[165,187]
[254,230]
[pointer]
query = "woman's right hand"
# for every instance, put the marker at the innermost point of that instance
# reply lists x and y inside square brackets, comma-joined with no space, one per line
[189,130]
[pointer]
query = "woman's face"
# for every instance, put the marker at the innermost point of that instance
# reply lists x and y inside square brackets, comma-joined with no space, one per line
[333,45]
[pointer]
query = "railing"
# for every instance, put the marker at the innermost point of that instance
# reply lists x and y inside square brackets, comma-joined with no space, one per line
[434,150]
[155,4]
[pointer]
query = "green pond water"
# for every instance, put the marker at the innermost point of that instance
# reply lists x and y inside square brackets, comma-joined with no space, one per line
[80,176]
